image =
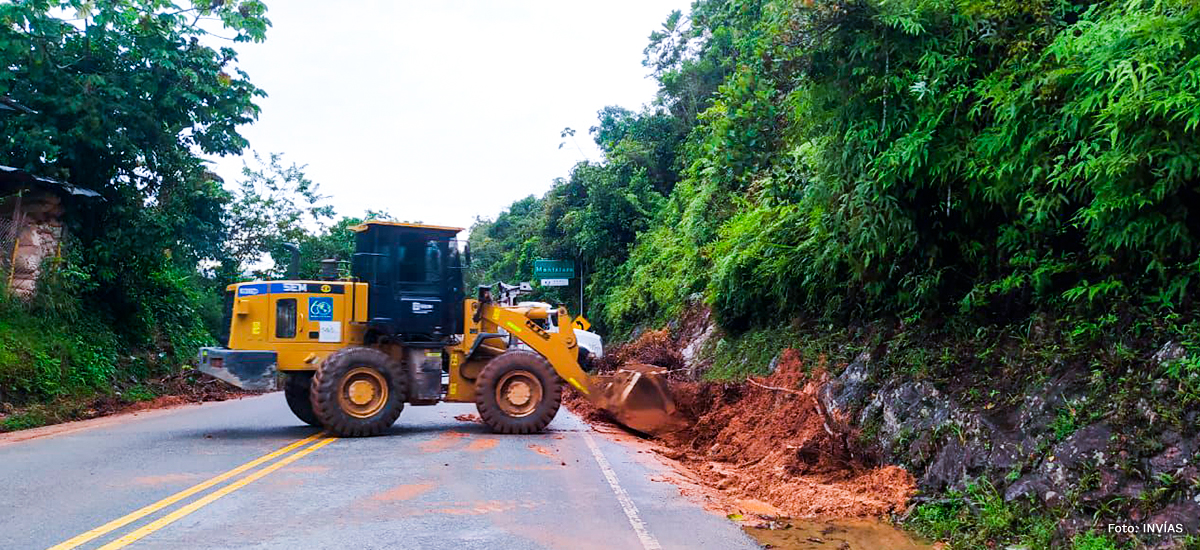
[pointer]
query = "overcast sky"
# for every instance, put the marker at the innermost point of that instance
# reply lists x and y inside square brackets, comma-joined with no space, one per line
[446,110]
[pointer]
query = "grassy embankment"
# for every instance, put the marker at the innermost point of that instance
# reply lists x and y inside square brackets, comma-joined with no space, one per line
[63,359]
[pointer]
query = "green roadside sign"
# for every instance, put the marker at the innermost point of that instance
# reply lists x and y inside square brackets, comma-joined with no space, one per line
[553,269]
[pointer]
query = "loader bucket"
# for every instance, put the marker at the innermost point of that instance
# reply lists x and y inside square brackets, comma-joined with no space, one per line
[638,398]
[245,369]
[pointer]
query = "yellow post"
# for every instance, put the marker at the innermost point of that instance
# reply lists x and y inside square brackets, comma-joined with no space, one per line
[16,231]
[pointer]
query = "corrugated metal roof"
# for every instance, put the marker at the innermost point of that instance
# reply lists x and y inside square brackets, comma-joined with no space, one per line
[17,175]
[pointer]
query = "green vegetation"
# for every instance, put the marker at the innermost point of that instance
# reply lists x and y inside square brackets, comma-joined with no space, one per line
[39,356]
[750,353]
[913,159]
[23,421]
[1001,192]
[128,100]
[593,216]
[979,518]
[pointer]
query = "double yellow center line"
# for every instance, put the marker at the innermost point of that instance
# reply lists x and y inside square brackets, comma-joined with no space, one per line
[120,522]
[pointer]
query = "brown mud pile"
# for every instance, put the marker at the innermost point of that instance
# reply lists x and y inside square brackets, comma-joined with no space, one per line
[583,407]
[171,390]
[175,389]
[765,439]
[653,347]
[768,439]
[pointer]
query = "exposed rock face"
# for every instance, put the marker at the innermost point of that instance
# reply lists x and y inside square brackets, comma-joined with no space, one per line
[849,391]
[1020,451]
[37,237]
[694,331]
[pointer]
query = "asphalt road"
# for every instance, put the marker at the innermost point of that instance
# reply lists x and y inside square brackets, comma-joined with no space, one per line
[247,474]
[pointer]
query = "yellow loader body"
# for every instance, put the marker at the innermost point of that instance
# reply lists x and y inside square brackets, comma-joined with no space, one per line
[354,351]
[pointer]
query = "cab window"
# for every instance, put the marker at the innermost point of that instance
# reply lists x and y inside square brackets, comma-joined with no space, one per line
[418,261]
[285,318]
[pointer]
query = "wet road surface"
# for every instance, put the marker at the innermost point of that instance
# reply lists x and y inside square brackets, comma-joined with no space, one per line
[247,474]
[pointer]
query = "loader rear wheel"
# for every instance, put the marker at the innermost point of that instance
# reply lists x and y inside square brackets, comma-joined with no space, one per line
[358,392]
[518,392]
[298,391]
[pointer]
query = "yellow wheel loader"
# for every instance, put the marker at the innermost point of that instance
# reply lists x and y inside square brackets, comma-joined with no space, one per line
[353,351]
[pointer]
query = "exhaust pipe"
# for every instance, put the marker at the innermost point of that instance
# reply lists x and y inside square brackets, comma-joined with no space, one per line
[293,271]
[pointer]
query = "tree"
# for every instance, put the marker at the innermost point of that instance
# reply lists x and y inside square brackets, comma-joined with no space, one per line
[130,95]
[127,95]
[692,56]
[504,249]
[335,242]
[272,205]
[647,141]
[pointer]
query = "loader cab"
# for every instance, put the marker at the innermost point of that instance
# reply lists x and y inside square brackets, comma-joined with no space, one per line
[415,280]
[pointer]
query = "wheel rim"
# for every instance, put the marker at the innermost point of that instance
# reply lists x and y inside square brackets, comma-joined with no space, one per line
[364,392]
[518,393]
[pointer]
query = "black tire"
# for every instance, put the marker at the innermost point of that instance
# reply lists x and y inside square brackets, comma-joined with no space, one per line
[329,387]
[297,388]
[525,366]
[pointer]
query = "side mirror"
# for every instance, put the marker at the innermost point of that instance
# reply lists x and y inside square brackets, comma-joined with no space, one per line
[467,255]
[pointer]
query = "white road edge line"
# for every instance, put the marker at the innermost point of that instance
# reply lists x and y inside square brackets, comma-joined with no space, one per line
[631,511]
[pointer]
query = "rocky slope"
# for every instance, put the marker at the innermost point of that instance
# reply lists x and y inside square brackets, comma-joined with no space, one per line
[1048,458]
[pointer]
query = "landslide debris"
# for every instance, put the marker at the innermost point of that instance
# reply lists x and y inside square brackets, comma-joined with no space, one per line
[766,439]
[769,440]
[652,347]
[171,390]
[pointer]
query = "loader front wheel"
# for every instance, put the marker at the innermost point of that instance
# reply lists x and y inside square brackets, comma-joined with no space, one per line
[358,392]
[298,390]
[518,392]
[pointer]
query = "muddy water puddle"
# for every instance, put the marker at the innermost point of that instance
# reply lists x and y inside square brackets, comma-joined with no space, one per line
[836,534]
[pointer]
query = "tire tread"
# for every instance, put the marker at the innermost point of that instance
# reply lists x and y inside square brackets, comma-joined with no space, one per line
[325,388]
[485,392]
